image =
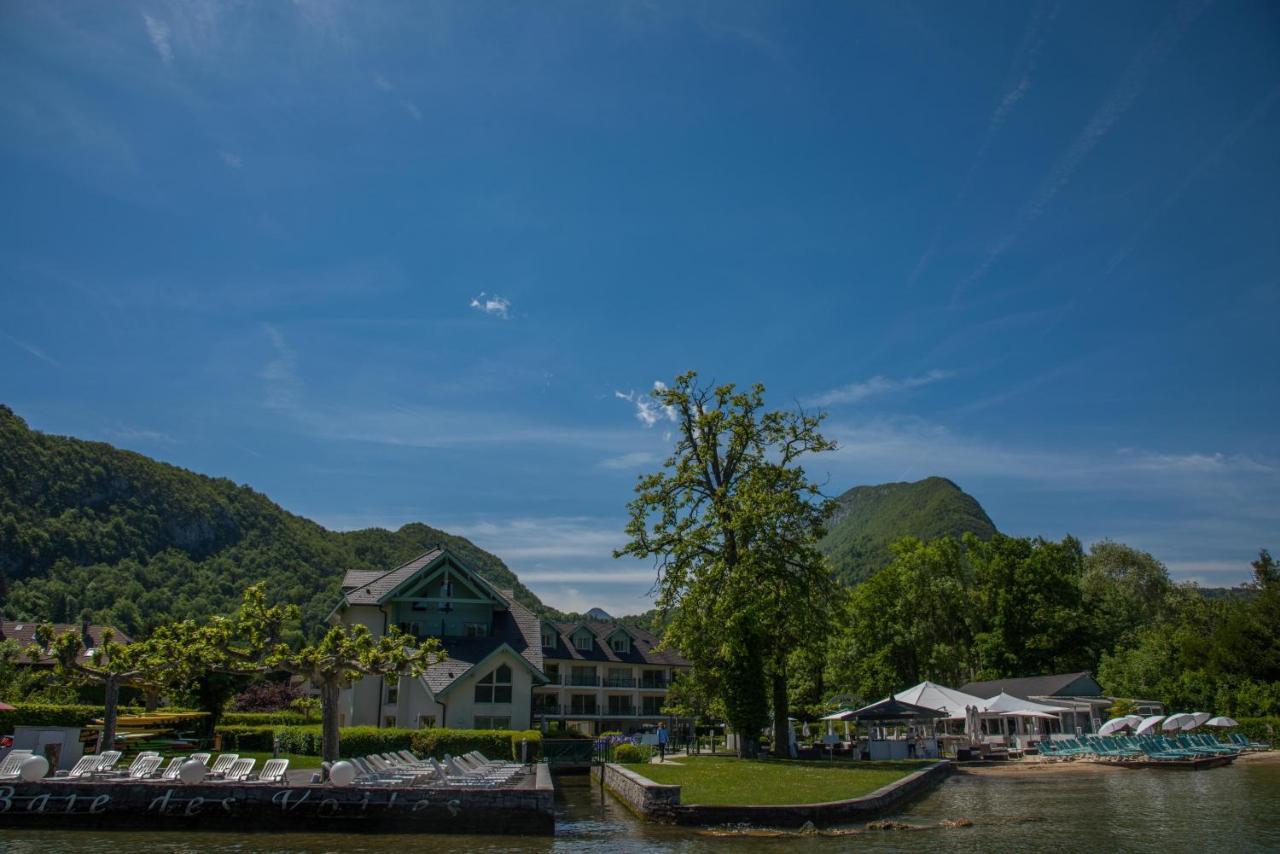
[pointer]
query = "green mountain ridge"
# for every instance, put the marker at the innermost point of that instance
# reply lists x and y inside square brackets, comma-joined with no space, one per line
[88,528]
[869,519]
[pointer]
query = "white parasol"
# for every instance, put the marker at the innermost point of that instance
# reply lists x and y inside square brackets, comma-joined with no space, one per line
[1173,723]
[1195,720]
[1149,724]
[1222,721]
[1117,724]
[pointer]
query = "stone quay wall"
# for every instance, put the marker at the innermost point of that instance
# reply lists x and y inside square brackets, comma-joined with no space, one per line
[66,804]
[659,803]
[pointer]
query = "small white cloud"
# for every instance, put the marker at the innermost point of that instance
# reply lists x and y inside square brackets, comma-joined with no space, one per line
[628,461]
[858,392]
[131,434]
[413,110]
[34,351]
[158,32]
[492,304]
[382,83]
[235,161]
[280,375]
[649,411]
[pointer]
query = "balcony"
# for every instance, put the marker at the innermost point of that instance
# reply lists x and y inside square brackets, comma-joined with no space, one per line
[618,710]
[581,681]
[583,709]
[655,684]
[619,682]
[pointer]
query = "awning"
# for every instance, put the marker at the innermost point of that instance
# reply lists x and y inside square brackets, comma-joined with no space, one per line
[1007,703]
[892,709]
[934,696]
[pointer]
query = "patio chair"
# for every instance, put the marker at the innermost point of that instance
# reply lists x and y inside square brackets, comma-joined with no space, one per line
[11,766]
[223,764]
[274,771]
[1242,740]
[202,758]
[144,767]
[240,770]
[107,761]
[171,770]
[83,768]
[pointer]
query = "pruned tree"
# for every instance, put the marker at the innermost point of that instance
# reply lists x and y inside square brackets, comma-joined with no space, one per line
[251,642]
[732,522]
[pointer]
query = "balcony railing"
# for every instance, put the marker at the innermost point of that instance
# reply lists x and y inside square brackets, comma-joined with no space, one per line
[583,710]
[654,684]
[619,682]
[579,681]
[597,712]
[621,711]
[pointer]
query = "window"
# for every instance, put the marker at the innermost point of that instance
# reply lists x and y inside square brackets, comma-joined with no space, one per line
[553,673]
[493,722]
[582,640]
[583,676]
[495,688]
[389,722]
[426,721]
[619,643]
[582,704]
[476,630]
[393,694]
[548,638]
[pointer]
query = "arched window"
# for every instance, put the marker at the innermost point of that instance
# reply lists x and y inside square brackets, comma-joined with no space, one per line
[495,687]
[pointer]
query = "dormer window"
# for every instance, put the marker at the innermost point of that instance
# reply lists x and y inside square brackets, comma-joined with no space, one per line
[582,641]
[618,643]
[548,638]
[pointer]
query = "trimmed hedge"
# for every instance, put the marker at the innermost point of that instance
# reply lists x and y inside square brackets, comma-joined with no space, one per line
[47,714]
[632,753]
[493,743]
[283,718]
[363,740]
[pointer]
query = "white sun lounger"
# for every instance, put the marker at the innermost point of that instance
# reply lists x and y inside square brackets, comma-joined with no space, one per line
[273,771]
[223,764]
[240,770]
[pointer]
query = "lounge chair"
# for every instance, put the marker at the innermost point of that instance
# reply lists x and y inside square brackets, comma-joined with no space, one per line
[83,768]
[202,758]
[274,771]
[11,767]
[223,764]
[450,775]
[171,770]
[240,770]
[144,767]
[1241,740]
[107,762]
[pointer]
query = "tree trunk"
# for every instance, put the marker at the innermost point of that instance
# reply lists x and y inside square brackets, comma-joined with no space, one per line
[111,691]
[153,699]
[781,726]
[329,720]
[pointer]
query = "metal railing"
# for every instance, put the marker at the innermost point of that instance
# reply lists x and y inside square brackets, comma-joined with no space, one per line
[619,682]
[579,681]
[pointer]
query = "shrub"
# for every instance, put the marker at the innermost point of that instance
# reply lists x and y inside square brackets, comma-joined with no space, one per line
[263,719]
[493,743]
[249,738]
[48,714]
[632,753]
[265,696]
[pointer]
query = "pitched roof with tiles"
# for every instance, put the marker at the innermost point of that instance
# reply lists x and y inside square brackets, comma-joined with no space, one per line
[23,632]
[1080,684]
[643,646]
[516,627]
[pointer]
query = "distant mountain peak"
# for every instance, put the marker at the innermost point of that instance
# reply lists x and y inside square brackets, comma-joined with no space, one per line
[869,519]
[599,614]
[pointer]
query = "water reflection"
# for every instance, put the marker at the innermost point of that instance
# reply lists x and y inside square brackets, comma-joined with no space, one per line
[1224,809]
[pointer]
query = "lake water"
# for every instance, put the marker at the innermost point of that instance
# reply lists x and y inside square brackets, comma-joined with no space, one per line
[1236,808]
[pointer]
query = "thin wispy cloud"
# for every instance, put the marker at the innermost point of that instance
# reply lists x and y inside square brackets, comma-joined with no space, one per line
[648,410]
[235,161]
[633,460]
[1214,156]
[132,434]
[1018,82]
[33,350]
[492,304]
[412,109]
[1118,101]
[160,35]
[280,374]
[382,83]
[877,385]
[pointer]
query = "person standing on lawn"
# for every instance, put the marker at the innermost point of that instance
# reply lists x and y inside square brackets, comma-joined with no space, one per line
[662,742]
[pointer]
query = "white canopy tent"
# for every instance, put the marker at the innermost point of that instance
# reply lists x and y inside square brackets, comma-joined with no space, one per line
[1006,703]
[941,698]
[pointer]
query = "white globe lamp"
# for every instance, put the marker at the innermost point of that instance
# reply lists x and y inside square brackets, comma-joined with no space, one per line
[342,773]
[192,771]
[33,768]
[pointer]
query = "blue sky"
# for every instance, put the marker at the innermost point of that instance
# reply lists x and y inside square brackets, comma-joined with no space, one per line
[422,262]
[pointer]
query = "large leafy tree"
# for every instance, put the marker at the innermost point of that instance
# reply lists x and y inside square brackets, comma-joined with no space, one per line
[251,641]
[732,521]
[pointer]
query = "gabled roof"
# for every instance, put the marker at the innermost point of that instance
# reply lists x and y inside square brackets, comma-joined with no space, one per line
[643,646]
[369,587]
[517,628]
[934,696]
[1080,684]
[538,676]
[23,633]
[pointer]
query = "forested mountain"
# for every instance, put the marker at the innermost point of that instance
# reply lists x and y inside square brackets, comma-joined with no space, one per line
[85,526]
[868,519]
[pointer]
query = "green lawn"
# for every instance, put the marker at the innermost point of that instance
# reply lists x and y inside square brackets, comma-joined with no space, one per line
[726,780]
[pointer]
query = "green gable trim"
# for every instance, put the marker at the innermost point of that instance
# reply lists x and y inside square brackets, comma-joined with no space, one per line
[538,676]
[436,567]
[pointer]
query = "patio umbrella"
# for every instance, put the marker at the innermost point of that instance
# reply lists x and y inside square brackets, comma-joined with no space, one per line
[5,707]
[1195,720]
[1222,721]
[1173,723]
[1149,724]
[1115,725]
